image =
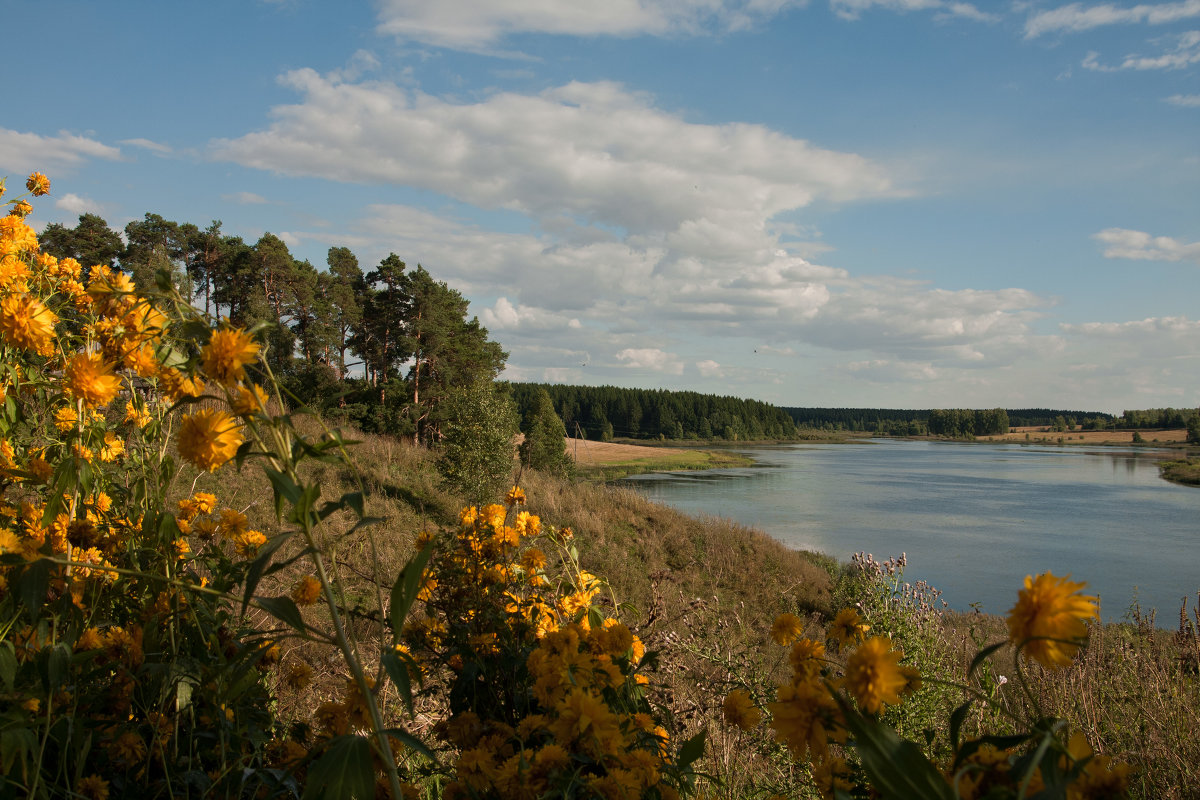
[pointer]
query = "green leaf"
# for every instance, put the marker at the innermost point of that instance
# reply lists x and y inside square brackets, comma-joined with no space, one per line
[285,489]
[692,749]
[57,664]
[8,664]
[956,720]
[351,500]
[16,743]
[258,566]
[302,511]
[342,772]
[285,610]
[396,665]
[897,767]
[412,742]
[406,587]
[32,585]
[982,655]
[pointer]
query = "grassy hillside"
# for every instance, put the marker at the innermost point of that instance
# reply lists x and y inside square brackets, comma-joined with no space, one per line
[703,593]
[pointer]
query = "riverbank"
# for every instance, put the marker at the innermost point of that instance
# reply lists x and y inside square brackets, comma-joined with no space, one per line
[1186,472]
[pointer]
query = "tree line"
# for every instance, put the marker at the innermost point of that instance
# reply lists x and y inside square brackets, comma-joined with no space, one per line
[604,412]
[382,347]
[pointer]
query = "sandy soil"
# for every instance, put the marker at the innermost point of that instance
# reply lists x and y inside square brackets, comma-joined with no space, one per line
[1088,437]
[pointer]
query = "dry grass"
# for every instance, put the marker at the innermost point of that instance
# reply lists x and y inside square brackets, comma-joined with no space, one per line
[1045,434]
[705,592]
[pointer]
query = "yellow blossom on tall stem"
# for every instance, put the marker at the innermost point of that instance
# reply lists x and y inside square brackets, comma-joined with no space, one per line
[873,674]
[209,438]
[739,710]
[1047,622]
[227,354]
[306,591]
[847,627]
[27,324]
[90,379]
[786,628]
[38,184]
[248,400]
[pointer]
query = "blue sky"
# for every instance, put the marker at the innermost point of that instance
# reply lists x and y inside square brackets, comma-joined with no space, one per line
[886,203]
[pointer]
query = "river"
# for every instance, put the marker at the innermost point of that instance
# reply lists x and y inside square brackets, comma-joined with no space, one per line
[973,519]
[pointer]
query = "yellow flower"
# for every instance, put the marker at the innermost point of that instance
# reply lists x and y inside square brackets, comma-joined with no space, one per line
[112,448]
[874,675]
[205,502]
[515,497]
[138,416]
[1047,622]
[848,627]
[298,676]
[176,385]
[91,380]
[22,208]
[306,591]
[65,418]
[38,184]
[233,522]
[93,787]
[141,360]
[831,776]
[806,718]
[740,710]
[786,628]
[209,438]
[226,355]
[27,324]
[248,400]
[246,544]
[806,658]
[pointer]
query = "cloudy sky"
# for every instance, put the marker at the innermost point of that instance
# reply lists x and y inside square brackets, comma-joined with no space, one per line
[884,203]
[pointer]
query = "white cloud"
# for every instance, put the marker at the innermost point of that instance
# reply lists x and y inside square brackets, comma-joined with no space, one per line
[1141,246]
[22,152]
[853,9]
[244,198]
[610,297]
[710,369]
[1076,17]
[592,150]
[651,358]
[147,144]
[76,204]
[478,24]
[1154,327]
[1184,100]
[1185,53]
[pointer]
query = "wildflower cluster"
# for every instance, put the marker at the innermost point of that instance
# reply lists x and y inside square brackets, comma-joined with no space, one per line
[127,661]
[546,691]
[829,714]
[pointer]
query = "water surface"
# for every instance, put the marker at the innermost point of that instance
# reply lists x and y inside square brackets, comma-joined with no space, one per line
[974,519]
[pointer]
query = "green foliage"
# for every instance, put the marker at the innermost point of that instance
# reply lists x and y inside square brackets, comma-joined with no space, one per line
[602,412]
[544,447]
[476,451]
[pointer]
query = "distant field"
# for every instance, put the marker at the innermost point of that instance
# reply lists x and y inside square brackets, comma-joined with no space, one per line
[1042,433]
[609,460]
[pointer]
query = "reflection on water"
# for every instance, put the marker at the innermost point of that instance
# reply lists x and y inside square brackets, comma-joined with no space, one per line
[973,518]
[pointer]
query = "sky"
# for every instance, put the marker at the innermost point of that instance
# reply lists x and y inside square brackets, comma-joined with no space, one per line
[847,203]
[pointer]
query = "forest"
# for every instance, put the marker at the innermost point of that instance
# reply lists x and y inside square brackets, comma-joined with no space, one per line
[380,348]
